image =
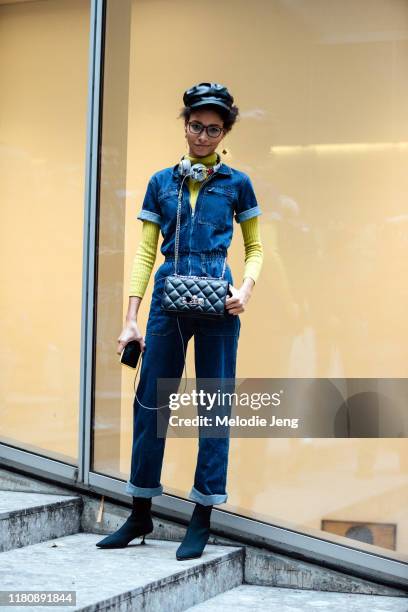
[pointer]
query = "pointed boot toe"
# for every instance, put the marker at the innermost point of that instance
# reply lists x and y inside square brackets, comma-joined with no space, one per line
[197,534]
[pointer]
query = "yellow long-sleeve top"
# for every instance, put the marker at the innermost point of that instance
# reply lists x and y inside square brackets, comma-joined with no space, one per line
[147,251]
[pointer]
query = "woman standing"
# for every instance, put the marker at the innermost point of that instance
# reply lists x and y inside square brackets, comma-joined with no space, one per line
[211,198]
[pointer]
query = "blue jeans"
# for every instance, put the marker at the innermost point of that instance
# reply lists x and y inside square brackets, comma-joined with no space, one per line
[216,343]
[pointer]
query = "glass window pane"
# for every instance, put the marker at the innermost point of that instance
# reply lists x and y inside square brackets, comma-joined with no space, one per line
[323,135]
[43,106]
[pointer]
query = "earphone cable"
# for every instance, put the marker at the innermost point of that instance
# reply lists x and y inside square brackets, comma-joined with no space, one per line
[184,367]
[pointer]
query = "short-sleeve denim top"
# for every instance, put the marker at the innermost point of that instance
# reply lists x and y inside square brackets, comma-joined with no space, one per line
[226,194]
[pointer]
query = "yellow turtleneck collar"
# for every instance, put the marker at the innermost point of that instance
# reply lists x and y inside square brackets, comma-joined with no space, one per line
[209,160]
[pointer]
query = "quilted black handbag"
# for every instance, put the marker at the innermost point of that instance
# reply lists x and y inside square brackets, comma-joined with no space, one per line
[198,296]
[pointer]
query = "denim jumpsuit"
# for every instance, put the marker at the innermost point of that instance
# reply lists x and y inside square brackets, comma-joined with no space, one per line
[204,239]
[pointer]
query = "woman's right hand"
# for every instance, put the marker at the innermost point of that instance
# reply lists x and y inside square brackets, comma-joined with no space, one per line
[130,332]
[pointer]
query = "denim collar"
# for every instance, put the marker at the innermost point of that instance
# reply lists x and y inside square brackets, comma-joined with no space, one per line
[224,169]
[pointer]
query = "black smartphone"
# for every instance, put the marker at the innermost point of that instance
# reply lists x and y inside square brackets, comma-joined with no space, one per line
[130,354]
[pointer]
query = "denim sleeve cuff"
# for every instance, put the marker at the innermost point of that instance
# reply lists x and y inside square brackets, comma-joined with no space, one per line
[248,214]
[147,215]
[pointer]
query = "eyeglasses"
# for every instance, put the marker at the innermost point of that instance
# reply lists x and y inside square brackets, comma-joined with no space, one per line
[213,131]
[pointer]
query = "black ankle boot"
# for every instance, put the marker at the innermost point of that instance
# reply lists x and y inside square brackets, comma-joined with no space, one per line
[139,523]
[197,534]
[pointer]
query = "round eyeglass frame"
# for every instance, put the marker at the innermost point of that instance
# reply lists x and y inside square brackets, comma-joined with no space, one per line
[204,127]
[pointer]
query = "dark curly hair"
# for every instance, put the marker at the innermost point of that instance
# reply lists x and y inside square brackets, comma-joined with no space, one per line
[229,117]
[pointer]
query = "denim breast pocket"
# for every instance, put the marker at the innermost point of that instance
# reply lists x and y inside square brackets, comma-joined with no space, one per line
[217,206]
[168,201]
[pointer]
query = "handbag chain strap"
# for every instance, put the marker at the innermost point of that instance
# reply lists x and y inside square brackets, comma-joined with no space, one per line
[180,195]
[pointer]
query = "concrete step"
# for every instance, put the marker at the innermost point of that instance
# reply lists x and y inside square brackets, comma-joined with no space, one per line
[29,518]
[138,577]
[259,599]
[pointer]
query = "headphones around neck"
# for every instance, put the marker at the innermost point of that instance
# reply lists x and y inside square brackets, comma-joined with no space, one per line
[198,172]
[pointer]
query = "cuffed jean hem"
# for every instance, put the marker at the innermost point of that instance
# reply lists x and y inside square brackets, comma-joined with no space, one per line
[207,500]
[143,491]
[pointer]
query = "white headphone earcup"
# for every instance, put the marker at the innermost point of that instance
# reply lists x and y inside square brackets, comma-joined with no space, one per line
[198,172]
[184,167]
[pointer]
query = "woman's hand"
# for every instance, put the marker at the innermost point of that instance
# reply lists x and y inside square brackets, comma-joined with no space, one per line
[236,303]
[130,332]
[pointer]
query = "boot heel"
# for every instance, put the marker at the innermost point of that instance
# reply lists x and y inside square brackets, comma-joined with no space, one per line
[143,540]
